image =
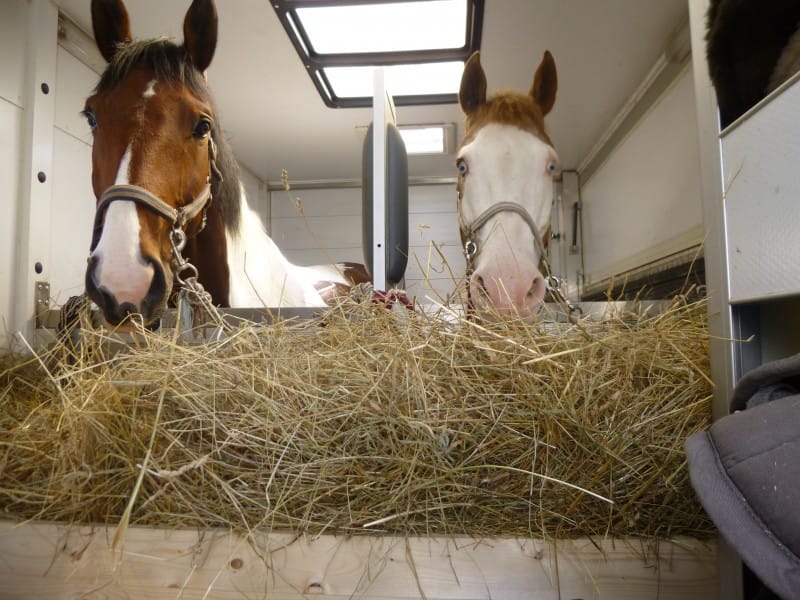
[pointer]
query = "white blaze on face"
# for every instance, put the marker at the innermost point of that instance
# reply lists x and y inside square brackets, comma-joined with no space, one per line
[121,269]
[507,164]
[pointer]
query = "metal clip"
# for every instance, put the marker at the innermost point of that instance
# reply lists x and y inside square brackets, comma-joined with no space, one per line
[177,238]
[470,249]
[553,285]
[183,266]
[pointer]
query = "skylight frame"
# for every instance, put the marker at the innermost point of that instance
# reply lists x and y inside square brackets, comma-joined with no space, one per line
[448,131]
[316,63]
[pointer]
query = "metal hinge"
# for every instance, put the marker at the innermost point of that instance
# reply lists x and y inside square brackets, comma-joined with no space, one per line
[41,298]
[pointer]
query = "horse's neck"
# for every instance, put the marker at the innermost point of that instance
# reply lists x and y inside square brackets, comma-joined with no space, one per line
[260,275]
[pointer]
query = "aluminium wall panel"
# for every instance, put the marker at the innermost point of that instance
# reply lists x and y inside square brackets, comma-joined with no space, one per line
[10,126]
[12,76]
[761,160]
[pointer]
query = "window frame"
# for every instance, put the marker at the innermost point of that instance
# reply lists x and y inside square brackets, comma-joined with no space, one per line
[315,63]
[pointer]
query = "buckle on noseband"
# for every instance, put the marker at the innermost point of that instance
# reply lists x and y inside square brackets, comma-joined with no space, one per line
[470,250]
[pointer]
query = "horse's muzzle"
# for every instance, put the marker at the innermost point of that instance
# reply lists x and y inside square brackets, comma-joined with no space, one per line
[117,311]
[514,297]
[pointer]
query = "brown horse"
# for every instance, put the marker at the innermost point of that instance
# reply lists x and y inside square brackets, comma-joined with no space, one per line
[506,163]
[752,46]
[170,204]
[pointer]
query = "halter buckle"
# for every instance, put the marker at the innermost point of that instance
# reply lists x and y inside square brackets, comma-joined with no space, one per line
[470,249]
[177,238]
[553,283]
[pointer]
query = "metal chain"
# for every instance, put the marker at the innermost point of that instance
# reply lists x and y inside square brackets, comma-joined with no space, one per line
[553,285]
[192,294]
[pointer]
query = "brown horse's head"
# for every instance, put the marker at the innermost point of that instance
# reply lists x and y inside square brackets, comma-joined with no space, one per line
[153,165]
[506,163]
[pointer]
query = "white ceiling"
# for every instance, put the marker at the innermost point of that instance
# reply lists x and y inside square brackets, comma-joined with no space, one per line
[275,119]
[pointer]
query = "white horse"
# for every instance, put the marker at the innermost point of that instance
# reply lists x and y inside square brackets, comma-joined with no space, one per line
[506,163]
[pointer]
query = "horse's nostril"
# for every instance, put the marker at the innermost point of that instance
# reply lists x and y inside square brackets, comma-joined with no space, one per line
[158,292]
[91,270]
[127,309]
[479,289]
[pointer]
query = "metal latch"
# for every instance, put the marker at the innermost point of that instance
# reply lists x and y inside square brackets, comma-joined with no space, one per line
[41,298]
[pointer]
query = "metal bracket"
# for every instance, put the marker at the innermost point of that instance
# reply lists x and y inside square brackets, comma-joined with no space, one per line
[41,307]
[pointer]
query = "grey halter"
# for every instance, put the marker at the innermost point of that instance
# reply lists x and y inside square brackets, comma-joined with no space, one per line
[469,238]
[469,230]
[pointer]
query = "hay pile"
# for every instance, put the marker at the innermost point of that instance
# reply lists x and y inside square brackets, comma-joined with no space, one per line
[366,421]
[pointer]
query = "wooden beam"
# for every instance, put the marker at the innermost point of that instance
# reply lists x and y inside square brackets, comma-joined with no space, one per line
[45,560]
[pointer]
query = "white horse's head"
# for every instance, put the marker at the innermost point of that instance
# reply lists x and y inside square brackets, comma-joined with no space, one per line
[506,163]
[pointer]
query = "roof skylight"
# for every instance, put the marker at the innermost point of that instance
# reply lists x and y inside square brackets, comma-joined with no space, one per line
[436,24]
[422,44]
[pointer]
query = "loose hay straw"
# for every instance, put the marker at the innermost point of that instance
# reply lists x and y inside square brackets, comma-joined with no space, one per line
[368,421]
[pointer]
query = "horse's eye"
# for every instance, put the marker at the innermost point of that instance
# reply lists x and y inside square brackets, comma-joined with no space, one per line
[203,128]
[90,117]
[552,167]
[462,166]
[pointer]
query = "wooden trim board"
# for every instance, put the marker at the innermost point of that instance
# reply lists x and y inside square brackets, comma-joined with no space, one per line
[45,560]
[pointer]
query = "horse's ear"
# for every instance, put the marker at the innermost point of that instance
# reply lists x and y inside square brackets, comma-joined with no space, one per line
[473,84]
[200,33]
[111,26]
[545,83]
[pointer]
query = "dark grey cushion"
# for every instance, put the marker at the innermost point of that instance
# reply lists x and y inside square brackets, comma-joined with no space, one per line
[746,472]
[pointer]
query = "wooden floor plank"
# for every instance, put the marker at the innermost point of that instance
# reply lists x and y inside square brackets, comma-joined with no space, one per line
[44,561]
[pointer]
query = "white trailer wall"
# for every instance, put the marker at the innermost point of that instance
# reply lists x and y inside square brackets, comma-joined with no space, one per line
[73,202]
[330,231]
[644,203]
[12,81]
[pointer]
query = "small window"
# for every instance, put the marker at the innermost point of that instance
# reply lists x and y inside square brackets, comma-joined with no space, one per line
[421,44]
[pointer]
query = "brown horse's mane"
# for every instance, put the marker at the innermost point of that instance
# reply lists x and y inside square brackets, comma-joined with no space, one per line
[508,108]
[171,64]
